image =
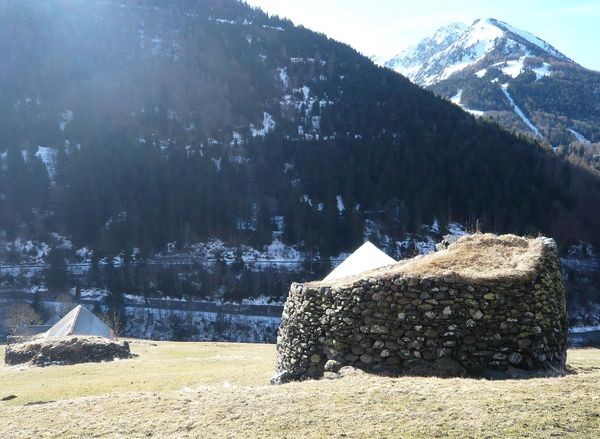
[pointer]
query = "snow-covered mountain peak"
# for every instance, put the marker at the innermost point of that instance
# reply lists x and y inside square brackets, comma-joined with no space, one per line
[456,47]
[493,69]
[411,60]
[483,30]
[452,30]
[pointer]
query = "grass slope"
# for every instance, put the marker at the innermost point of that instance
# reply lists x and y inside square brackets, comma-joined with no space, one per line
[220,390]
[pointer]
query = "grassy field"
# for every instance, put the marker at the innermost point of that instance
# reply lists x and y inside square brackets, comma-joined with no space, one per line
[221,390]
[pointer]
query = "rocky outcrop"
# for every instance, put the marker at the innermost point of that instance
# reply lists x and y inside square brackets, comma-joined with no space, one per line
[45,351]
[488,305]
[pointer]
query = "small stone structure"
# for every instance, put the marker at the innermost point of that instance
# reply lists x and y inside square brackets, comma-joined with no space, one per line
[43,351]
[491,306]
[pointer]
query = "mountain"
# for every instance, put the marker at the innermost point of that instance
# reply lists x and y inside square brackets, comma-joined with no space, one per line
[411,62]
[457,47]
[495,70]
[145,132]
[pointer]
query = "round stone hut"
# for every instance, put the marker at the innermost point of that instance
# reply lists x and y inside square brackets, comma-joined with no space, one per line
[491,306]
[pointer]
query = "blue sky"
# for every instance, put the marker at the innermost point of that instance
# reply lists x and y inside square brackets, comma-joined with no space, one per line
[385,27]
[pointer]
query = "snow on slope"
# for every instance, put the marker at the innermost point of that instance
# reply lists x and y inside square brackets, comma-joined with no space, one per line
[268,125]
[276,254]
[532,39]
[457,97]
[340,204]
[410,61]
[456,100]
[579,137]
[513,68]
[65,119]
[542,71]
[283,77]
[481,73]
[519,112]
[48,157]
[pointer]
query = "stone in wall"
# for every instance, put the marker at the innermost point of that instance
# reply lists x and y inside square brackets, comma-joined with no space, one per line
[487,306]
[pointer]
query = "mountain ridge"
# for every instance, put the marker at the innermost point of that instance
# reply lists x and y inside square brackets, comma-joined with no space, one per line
[464,46]
[494,69]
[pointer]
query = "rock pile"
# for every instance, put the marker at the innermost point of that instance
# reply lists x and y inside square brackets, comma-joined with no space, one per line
[65,350]
[488,305]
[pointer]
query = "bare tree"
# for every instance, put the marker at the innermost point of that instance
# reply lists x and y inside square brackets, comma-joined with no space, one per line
[20,315]
[113,320]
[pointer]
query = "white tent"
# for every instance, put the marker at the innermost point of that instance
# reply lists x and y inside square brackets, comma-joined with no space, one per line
[80,321]
[367,257]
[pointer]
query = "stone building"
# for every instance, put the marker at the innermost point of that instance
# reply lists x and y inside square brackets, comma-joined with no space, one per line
[487,305]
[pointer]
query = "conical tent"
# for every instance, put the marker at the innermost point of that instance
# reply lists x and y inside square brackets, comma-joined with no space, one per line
[367,257]
[80,321]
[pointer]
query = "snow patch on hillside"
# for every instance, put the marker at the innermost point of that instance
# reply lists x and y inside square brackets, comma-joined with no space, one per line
[65,120]
[61,242]
[84,254]
[236,139]
[477,113]
[456,229]
[30,251]
[96,294]
[542,71]
[579,137]
[277,28]
[283,77]
[268,126]
[261,300]
[275,254]
[413,244]
[519,112]
[481,73]
[48,157]
[512,68]
[582,329]
[222,20]
[456,98]
[340,204]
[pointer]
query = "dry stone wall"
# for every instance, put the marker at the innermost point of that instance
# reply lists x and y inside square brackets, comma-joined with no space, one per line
[44,351]
[396,324]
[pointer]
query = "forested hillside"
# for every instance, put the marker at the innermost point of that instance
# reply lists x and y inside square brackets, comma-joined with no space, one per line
[133,128]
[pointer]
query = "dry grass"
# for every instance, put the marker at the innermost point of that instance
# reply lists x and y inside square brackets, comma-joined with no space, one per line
[479,257]
[159,367]
[219,390]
